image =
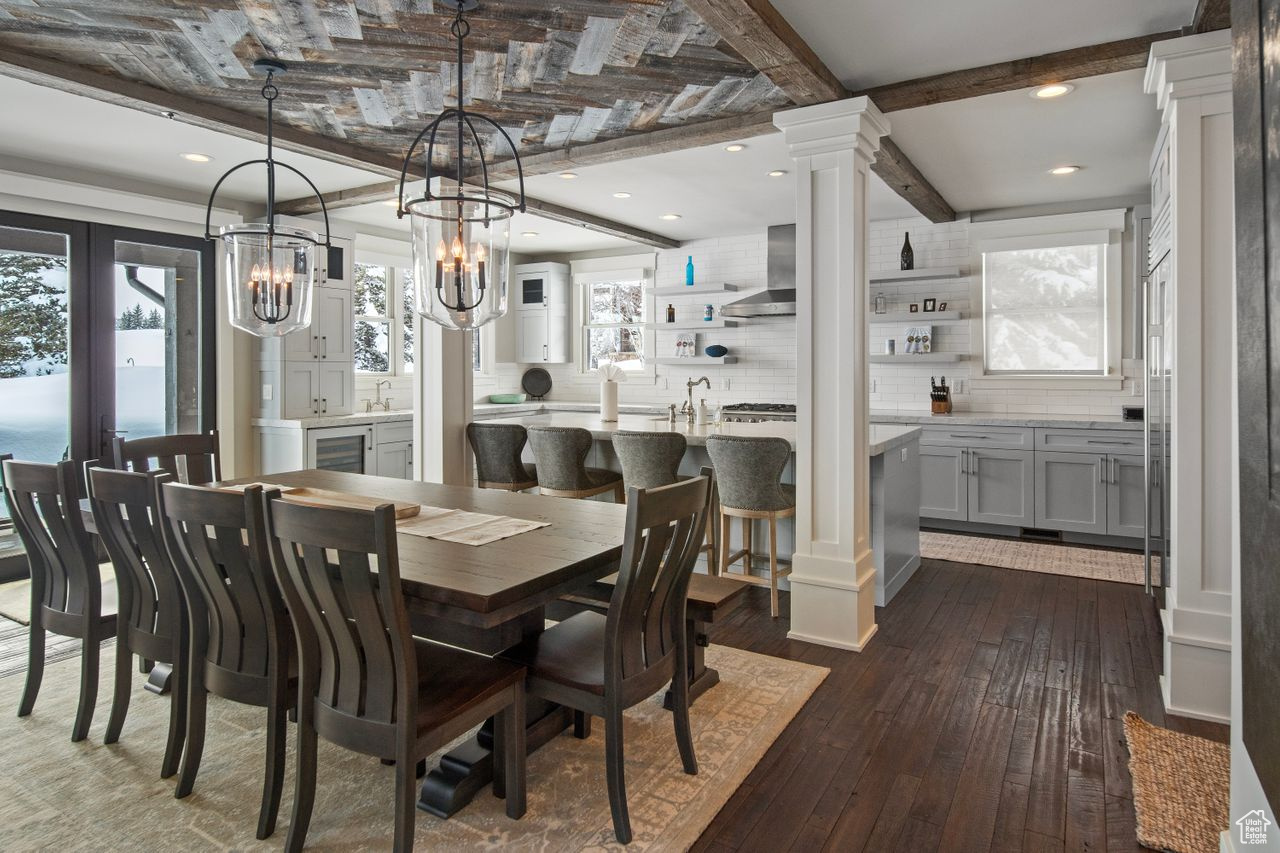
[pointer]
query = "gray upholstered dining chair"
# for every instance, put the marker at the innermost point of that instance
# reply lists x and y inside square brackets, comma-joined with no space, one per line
[497,449]
[561,455]
[749,474]
[651,460]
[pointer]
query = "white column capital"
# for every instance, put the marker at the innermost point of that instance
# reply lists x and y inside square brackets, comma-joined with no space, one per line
[834,126]
[1188,67]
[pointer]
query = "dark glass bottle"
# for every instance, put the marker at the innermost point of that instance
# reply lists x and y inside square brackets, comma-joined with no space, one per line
[908,256]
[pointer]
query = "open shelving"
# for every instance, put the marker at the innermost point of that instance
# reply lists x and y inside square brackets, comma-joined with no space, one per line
[921,357]
[696,290]
[702,360]
[921,274]
[693,325]
[917,317]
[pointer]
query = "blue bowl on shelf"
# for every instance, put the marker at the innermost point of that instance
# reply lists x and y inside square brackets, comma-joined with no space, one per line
[715,351]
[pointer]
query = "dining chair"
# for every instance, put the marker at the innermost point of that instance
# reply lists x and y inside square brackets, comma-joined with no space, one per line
[603,664]
[365,682]
[749,474]
[189,457]
[241,644]
[66,582]
[152,621]
[652,459]
[497,449]
[561,456]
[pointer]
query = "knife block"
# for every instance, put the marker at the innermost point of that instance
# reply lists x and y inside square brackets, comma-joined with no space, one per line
[941,407]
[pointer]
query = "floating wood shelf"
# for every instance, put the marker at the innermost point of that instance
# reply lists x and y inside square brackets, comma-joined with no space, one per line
[920,357]
[702,360]
[696,290]
[692,325]
[918,317]
[922,274]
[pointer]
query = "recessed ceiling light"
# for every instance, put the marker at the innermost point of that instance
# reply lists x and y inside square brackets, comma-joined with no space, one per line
[528,233]
[192,157]
[1053,90]
[622,195]
[568,176]
[777,173]
[735,147]
[1064,170]
[670,217]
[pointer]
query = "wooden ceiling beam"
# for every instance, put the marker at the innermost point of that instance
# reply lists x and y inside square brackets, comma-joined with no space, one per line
[896,170]
[1211,15]
[77,80]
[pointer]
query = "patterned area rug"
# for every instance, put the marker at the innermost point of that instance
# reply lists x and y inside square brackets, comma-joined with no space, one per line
[13,648]
[1048,557]
[15,596]
[1181,787]
[58,794]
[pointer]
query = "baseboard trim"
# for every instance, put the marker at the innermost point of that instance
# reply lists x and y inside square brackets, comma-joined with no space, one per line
[835,644]
[1172,708]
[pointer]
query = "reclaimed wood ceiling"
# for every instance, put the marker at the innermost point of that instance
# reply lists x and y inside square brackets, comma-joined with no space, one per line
[553,73]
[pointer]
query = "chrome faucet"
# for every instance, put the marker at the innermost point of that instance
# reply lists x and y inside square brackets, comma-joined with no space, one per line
[688,410]
[377,391]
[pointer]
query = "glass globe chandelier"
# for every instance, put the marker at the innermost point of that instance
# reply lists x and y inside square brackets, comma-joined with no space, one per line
[459,226]
[270,268]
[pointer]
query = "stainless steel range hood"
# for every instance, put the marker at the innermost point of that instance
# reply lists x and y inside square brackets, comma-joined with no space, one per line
[778,299]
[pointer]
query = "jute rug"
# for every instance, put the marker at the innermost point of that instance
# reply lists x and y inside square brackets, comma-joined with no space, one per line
[58,795]
[1048,557]
[1181,787]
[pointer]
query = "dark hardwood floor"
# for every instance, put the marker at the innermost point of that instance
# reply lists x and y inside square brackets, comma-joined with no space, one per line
[986,714]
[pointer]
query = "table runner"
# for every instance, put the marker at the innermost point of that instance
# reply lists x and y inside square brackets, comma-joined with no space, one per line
[466,528]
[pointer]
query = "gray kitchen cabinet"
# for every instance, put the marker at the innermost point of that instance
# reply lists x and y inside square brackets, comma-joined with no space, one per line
[1001,486]
[350,443]
[1126,496]
[944,489]
[542,302]
[394,459]
[1071,491]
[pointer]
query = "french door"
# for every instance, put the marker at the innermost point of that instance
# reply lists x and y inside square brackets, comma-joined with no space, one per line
[104,331]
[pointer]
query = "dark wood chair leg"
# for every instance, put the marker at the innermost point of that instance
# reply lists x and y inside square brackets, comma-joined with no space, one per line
[680,714]
[121,691]
[197,701]
[615,775]
[89,656]
[273,780]
[304,791]
[177,720]
[406,797]
[514,756]
[35,666]
[581,725]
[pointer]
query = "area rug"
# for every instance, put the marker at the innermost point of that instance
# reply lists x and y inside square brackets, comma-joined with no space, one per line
[1181,787]
[55,794]
[15,596]
[1048,557]
[13,648]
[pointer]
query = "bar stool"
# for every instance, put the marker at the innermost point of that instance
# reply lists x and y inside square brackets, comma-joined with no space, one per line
[748,474]
[497,448]
[561,453]
[651,460]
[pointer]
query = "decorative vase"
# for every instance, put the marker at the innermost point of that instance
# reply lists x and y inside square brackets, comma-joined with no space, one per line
[688,272]
[609,401]
[908,256]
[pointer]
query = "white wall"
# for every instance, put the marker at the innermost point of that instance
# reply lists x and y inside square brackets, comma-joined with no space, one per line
[906,388]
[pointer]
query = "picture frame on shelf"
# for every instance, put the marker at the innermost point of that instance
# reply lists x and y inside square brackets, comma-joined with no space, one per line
[942,306]
[914,308]
[930,305]
[686,345]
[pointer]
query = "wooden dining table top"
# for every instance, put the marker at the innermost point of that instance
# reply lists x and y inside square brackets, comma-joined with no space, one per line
[486,584]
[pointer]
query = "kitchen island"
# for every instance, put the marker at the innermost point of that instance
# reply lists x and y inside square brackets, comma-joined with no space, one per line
[895,478]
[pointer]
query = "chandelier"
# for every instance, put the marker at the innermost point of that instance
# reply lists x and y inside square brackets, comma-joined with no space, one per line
[270,268]
[459,226]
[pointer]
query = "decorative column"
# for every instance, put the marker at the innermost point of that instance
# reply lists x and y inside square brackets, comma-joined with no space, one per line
[833,585]
[1190,78]
[442,400]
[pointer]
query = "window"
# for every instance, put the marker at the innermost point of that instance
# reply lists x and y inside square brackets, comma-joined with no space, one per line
[613,327]
[373,307]
[410,316]
[1046,309]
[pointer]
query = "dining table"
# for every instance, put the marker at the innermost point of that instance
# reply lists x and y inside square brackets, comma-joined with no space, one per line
[485,598]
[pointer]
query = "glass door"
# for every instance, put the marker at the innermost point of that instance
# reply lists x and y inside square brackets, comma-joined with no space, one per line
[154,324]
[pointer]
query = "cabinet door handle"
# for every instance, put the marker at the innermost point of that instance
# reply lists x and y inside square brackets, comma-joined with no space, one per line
[1102,469]
[1115,471]
[369,433]
[973,462]
[324,344]
[315,405]
[964,462]
[324,404]
[545,355]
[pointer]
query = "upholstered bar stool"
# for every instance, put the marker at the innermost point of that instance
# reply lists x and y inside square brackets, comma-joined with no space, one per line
[651,460]
[749,474]
[561,454]
[497,448]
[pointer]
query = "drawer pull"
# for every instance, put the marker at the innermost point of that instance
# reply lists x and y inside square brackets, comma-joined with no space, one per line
[1108,441]
[969,435]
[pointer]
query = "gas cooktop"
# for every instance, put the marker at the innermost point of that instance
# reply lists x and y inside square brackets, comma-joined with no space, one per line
[780,408]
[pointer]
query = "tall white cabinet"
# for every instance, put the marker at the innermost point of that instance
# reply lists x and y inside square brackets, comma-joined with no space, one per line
[1193,199]
[311,372]
[540,301]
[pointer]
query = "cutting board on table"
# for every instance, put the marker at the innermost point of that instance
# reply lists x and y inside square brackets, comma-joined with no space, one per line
[328,497]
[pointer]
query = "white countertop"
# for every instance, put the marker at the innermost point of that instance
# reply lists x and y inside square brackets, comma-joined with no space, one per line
[354,419]
[883,437]
[1042,420]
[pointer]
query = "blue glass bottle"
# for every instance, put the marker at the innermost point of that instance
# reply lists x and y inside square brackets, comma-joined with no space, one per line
[688,272]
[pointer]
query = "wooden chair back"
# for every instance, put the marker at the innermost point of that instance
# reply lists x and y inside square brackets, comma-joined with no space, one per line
[190,457]
[646,615]
[356,646]
[65,580]
[150,598]
[218,543]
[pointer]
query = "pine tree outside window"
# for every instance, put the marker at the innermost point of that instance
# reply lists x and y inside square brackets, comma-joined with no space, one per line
[373,315]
